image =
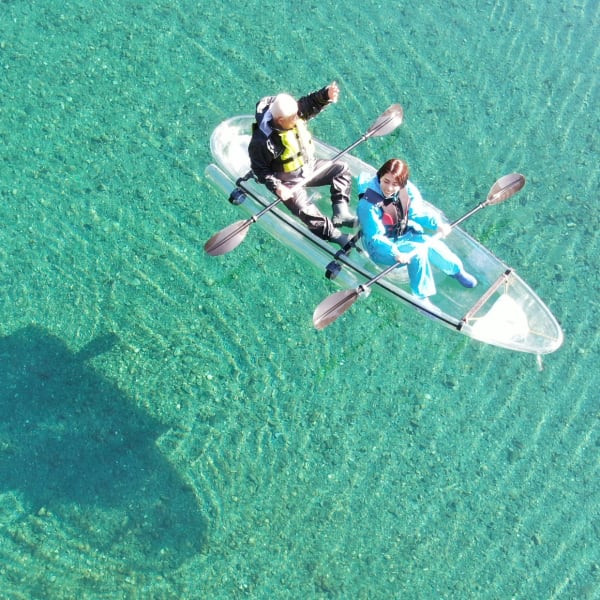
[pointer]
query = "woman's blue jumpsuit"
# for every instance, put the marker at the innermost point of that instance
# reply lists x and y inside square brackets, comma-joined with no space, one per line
[428,249]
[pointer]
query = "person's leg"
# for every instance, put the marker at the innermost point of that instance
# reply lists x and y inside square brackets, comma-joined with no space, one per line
[338,177]
[420,274]
[301,206]
[444,259]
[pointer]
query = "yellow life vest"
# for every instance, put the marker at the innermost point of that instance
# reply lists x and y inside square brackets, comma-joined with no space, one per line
[297,147]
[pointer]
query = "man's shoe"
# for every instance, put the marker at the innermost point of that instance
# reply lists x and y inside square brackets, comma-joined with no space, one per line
[342,217]
[340,238]
[465,279]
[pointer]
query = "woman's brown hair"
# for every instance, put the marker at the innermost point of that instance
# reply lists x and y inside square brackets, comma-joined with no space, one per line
[398,168]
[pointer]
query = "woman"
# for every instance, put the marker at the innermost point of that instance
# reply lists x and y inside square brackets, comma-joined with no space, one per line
[394,217]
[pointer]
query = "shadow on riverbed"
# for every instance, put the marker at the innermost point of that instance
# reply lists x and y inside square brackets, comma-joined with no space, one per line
[75,447]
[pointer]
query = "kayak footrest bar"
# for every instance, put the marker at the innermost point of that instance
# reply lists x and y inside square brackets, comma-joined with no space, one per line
[490,291]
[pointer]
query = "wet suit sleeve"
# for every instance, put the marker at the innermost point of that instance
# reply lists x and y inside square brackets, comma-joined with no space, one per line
[312,104]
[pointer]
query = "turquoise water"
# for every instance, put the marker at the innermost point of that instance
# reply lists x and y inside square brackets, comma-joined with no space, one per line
[171,424]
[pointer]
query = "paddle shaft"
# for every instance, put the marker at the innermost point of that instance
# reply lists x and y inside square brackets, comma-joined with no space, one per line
[467,215]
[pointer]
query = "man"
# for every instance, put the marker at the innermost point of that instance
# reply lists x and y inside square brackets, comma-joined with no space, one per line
[282,155]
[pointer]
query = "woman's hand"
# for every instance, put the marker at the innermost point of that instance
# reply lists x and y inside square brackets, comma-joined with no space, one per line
[444,229]
[403,257]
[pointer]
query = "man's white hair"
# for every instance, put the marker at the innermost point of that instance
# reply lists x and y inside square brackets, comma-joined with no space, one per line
[284,106]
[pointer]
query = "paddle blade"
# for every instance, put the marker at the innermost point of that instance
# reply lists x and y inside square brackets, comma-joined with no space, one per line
[387,122]
[333,307]
[504,188]
[227,239]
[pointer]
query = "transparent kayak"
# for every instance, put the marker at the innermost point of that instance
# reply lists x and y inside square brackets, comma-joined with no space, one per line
[502,310]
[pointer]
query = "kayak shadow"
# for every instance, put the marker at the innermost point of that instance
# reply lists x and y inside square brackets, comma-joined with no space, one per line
[76,449]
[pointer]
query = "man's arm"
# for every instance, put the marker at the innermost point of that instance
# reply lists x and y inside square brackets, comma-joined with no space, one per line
[312,104]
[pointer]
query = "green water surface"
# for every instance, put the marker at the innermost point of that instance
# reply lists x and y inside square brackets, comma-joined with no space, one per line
[172,426]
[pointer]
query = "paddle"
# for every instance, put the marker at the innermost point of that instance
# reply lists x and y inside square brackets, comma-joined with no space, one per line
[232,236]
[337,304]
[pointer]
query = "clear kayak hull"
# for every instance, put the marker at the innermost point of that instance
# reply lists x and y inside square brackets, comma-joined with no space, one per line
[501,310]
